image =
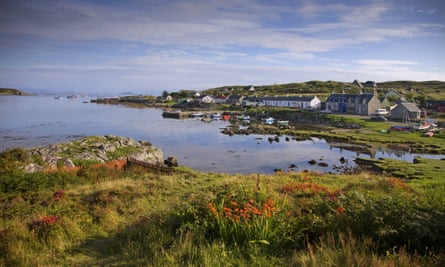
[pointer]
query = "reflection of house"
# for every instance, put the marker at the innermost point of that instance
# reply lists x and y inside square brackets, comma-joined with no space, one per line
[301,102]
[405,111]
[361,104]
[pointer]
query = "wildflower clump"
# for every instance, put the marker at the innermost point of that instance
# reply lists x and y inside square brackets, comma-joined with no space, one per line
[42,223]
[43,226]
[249,221]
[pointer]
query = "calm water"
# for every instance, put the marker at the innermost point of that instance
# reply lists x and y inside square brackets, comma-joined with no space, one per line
[39,120]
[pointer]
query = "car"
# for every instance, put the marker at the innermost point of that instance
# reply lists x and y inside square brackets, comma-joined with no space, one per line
[381,111]
[325,111]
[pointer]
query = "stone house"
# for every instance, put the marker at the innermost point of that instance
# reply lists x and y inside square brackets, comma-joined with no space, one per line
[253,101]
[360,104]
[235,99]
[405,111]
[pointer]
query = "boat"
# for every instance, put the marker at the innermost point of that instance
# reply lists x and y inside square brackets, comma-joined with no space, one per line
[226,117]
[269,120]
[215,116]
[197,115]
[283,123]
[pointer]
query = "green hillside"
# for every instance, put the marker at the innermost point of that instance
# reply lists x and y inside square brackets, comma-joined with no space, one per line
[431,89]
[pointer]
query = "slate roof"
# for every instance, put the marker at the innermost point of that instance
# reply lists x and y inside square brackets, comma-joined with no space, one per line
[411,107]
[289,98]
[344,98]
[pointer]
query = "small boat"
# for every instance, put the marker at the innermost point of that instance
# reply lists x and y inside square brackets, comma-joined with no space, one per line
[226,117]
[215,116]
[283,123]
[197,115]
[269,120]
[429,134]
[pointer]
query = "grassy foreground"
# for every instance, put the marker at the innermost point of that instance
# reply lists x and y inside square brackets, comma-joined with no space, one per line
[100,216]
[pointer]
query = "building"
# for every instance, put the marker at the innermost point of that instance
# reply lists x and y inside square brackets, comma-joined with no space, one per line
[405,111]
[435,105]
[361,104]
[300,102]
[235,99]
[208,99]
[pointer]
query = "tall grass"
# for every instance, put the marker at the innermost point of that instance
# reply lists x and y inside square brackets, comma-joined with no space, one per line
[133,218]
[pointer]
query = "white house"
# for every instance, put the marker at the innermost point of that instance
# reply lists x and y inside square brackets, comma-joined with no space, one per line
[208,99]
[300,102]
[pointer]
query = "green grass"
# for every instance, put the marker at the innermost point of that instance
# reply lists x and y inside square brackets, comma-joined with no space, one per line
[135,218]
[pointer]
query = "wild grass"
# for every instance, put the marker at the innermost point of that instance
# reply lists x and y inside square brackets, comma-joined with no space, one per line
[135,218]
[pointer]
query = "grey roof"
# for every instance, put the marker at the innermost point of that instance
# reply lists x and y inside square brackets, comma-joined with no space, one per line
[345,97]
[411,107]
[289,98]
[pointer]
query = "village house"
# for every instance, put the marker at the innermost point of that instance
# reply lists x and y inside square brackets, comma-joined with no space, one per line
[435,105]
[208,99]
[253,102]
[405,111]
[371,84]
[361,104]
[221,99]
[390,99]
[300,102]
[235,100]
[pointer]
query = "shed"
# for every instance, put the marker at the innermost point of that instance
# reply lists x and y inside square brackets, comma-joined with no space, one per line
[406,111]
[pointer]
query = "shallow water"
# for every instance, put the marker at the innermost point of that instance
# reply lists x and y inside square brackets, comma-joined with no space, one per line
[28,121]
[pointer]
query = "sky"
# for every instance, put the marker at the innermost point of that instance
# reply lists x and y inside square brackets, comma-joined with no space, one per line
[151,46]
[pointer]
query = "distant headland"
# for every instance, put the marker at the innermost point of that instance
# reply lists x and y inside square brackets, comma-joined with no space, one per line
[10,91]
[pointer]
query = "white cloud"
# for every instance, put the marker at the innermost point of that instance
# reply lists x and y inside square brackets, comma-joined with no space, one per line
[383,62]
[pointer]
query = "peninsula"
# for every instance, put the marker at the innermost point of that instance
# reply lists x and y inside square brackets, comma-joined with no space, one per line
[10,91]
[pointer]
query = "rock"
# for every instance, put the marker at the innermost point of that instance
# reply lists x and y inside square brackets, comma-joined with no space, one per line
[68,163]
[32,167]
[96,148]
[312,161]
[171,162]
[323,164]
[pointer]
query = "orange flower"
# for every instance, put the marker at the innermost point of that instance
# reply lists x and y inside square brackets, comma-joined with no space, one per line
[212,209]
[234,204]
[341,210]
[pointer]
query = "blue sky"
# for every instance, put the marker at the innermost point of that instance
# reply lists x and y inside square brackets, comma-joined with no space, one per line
[148,46]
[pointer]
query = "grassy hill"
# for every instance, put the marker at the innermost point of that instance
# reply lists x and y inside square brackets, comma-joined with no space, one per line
[432,89]
[104,216]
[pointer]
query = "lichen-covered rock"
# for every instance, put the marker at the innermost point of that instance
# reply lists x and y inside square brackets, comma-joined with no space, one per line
[97,149]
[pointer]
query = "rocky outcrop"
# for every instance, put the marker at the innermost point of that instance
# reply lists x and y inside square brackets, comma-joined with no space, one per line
[94,148]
